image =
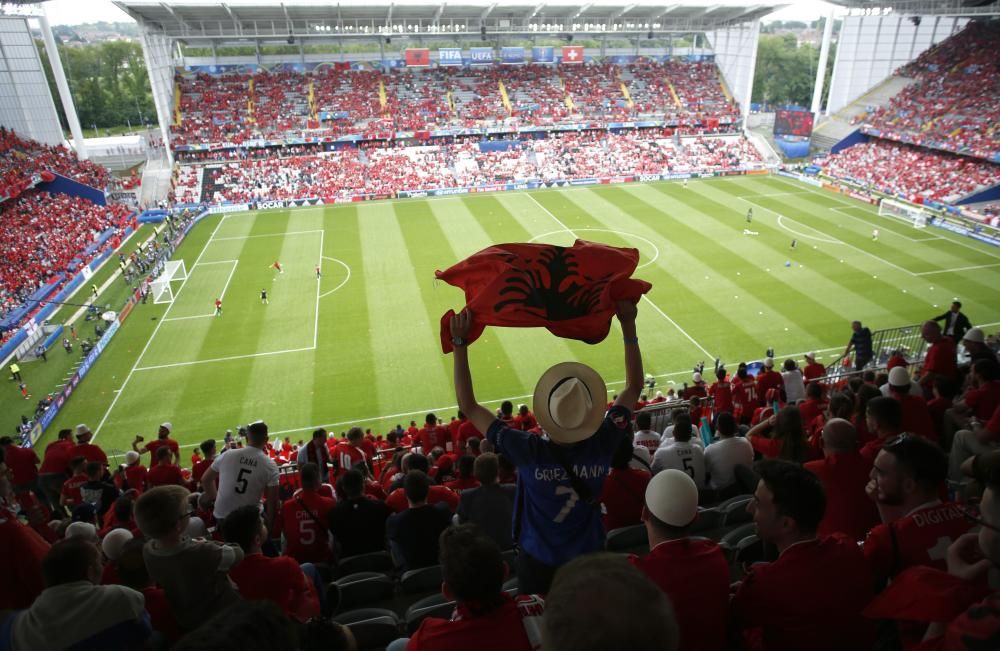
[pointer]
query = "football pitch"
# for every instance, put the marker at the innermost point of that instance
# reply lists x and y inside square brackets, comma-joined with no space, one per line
[360,344]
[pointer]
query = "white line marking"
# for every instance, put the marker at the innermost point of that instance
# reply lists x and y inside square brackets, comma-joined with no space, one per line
[205,264]
[804,235]
[344,282]
[609,230]
[224,359]
[319,262]
[944,271]
[778,194]
[425,410]
[247,237]
[877,224]
[226,286]
[128,377]
[185,318]
[645,298]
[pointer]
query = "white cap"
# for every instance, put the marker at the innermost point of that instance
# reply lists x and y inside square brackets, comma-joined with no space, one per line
[81,429]
[696,377]
[196,528]
[769,362]
[810,356]
[114,542]
[975,335]
[83,530]
[167,426]
[672,497]
[131,457]
[898,377]
[659,394]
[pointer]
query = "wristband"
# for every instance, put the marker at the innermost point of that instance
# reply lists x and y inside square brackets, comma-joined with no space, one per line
[631,340]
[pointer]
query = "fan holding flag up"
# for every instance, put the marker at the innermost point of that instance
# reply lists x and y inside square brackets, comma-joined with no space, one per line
[573,292]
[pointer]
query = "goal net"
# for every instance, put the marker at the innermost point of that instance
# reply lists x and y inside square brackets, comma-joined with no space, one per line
[161,288]
[911,214]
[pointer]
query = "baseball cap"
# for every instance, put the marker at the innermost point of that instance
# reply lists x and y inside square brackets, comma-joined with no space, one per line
[168,427]
[769,362]
[811,356]
[114,542]
[898,377]
[131,457]
[696,377]
[975,335]
[83,530]
[672,498]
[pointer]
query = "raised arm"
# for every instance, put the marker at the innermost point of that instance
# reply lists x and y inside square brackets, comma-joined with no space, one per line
[480,416]
[626,311]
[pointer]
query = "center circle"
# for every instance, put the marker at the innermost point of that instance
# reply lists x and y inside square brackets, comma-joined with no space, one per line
[656,249]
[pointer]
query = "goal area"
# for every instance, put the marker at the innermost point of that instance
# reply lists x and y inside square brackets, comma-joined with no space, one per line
[161,288]
[913,215]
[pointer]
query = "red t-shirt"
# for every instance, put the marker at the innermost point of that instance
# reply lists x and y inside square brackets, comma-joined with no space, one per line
[526,423]
[812,371]
[462,484]
[623,496]
[199,468]
[941,359]
[398,503]
[164,476]
[792,606]
[22,551]
[433,437]
[89,452]
[136,476]
[695,390]
[848,509]
[279,580]
[922,538]
[56,457]
[345,456]
[695,575]
[453,428]
[916,417]
[161,617]
[767,380]
[23,464]
[153,446]
[810,409]
[71,488]
[745,395]
[983,400]
[467,431]
[502,629]
[722,395]
[307,540]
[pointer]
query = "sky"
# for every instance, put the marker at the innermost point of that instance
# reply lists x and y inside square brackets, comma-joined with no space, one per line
[74,12]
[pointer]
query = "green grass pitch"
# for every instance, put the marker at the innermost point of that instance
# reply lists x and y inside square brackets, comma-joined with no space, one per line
[360,345]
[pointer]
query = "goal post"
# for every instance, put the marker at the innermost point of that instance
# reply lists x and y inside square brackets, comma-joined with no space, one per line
[161,288]
[914,215]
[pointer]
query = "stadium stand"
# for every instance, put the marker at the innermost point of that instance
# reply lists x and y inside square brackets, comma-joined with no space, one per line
[944,107]
[916,173]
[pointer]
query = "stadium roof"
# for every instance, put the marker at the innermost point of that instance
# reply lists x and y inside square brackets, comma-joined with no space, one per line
[212,21]
[925,7]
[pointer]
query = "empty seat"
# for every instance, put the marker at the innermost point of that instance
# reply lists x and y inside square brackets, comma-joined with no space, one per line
[362,589]
[436,605]
[372,562]
[734,510]
[707,520]
[425,579]
[627,538]
[730,541]
[373,628]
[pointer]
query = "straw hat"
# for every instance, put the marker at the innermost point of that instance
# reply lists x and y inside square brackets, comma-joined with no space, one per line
[570,400]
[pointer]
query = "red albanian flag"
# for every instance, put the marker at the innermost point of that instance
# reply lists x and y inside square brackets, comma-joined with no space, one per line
[572,291]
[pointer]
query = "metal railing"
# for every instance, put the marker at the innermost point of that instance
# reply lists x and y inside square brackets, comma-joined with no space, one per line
[905,340]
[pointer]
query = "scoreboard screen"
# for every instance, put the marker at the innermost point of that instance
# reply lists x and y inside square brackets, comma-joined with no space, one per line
[793,123]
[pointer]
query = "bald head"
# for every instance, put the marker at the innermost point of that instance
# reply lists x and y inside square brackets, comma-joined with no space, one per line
[839,435]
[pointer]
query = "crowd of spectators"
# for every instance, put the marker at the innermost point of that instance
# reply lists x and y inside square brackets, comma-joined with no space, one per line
[944,107]
[844,492]
[23,161]
[915,173]
[386,171]
[223,108]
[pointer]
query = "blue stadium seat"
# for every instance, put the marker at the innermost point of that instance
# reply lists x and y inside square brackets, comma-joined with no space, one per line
[734,510]
[373,628]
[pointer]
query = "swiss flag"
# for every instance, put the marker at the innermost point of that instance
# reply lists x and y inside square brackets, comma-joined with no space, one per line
[418,56]
[572,291]
[572,54]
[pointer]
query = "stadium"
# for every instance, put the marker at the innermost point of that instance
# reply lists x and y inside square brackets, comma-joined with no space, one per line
[264,291]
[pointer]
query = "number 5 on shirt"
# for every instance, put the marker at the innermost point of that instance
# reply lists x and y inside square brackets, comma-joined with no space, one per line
[241,480]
